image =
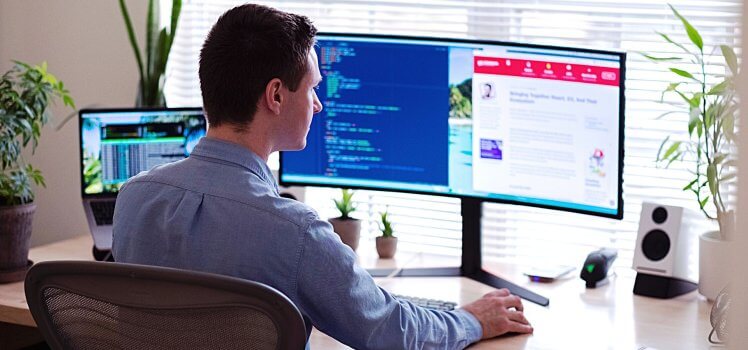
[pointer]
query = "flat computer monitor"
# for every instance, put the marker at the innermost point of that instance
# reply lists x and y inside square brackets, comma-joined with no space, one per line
[502,122]
[116,144]
[483,121]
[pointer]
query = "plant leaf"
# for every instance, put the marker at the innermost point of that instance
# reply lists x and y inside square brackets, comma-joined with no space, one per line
[703,202]
[666,113]
[659,151]
[151,32]
[711,176]
[693,34]
[709,119]
[719,88]
[718,158]
[688,187]
[670,87]
[68,101]
[667,38]
[176,9]
[673,147]
[693,121]
[661,59]
[730,58]
[133,39]
[728,126]
[683,74]
[162,53]
[695,100]
[673,158]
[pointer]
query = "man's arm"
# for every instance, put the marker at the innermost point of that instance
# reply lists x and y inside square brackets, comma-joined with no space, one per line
[343,301]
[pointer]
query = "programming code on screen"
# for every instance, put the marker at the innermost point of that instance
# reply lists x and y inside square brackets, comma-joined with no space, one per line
[130,149]
[362,105]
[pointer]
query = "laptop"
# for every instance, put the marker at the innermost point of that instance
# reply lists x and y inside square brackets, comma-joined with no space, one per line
[116,144]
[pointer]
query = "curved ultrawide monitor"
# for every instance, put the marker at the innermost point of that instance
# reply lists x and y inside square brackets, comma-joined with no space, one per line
[504,122]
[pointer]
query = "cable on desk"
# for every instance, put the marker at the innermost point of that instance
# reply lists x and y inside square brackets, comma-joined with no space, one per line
[400,269]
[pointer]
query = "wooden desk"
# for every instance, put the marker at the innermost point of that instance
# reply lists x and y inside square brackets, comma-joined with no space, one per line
[610,317]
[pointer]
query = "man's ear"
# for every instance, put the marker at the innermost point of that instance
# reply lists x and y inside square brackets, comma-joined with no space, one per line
[273,96]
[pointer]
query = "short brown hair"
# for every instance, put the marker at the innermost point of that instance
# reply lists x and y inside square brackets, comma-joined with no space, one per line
[247,47]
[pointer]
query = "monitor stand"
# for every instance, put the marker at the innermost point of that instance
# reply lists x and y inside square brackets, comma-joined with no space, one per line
[472,263]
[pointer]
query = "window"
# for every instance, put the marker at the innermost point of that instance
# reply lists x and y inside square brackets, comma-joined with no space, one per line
[513,233]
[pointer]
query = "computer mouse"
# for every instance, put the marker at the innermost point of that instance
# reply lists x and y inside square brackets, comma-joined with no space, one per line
[596,266]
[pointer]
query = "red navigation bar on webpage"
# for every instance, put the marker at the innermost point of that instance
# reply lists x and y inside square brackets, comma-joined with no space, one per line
[572,72]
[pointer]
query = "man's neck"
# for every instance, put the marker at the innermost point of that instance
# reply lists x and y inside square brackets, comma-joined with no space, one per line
[248,139]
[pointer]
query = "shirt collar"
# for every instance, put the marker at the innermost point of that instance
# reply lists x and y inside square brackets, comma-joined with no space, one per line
[233,153]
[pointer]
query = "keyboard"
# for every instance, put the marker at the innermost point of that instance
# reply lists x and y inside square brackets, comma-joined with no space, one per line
[103,212]
[434,304]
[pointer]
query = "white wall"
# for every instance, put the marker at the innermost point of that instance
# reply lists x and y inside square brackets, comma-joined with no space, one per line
[739,310]
[85,44]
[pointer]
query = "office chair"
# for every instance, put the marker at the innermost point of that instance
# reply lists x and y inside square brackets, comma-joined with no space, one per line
[98,305]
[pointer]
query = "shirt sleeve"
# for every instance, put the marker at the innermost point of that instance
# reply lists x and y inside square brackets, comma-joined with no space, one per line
[342,300]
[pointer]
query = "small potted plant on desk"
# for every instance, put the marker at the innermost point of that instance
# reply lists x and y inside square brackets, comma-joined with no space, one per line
[386,243]
[25,93]
[712,107]
[348,228]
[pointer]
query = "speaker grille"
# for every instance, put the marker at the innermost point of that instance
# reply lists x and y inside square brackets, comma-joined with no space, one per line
[659,215]
[656,245]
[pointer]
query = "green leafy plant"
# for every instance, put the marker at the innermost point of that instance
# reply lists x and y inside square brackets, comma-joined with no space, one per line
[25,94]
[345,204]
[385,225]
[158,43]
[712,108]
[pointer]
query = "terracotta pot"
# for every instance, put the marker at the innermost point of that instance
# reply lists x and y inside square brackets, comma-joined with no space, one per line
[714,258]
[349,231]
[15,236]
[386,247]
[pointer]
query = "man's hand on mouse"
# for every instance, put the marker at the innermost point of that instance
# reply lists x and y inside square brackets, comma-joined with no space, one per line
[499,312]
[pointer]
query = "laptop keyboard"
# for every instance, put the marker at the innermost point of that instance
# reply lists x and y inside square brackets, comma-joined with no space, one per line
[434,304]
[103,212]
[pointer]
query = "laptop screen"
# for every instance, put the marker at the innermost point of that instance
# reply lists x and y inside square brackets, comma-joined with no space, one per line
[118,144]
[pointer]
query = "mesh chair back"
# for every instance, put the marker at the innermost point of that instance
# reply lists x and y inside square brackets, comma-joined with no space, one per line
[96,305]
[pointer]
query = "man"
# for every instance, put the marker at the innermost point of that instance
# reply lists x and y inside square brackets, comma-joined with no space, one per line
[219,210]
[487,91]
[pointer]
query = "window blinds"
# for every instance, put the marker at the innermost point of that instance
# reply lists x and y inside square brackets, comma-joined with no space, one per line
[514,233]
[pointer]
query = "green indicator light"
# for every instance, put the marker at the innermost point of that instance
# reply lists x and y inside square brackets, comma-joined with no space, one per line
[590,267]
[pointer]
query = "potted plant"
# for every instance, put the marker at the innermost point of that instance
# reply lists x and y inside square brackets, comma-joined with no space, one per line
[386,243]
[712,109]
[348,228]
[25,93]
[158,43]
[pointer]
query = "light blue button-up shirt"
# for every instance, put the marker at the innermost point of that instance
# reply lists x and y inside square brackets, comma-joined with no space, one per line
[219,211]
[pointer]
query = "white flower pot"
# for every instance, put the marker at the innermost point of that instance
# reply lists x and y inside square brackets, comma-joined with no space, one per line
[714,262]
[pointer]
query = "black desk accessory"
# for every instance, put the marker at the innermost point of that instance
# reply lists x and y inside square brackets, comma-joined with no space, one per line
[596,266]
[662,287]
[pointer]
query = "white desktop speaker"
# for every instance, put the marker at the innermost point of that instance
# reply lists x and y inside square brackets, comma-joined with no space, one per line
[294,192]
[661,252]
